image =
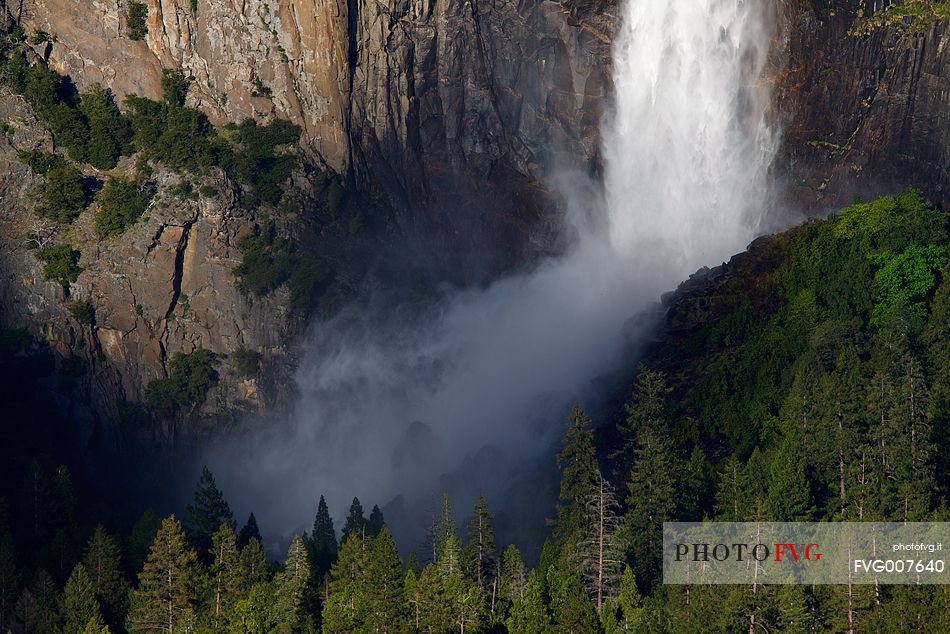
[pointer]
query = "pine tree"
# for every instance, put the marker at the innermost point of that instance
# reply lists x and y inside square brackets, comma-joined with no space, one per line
[376,522]
[646,410]
[630,602]
[207,511]
[433,607]
[104,565]
[512,576]
[413,595]
[732,491]
[323,546]
[227,575]
[355,520]
[290,588]
[254,564]
[445,530]
[529,614]
[789,494]
[165,594]
[651,500]
[252,614]
[480,550]
[350,565]
[249,531]
[109,131]
[96,625]
[79,601]
[25,613]
[46,594]
[384,583]
[572,610]
[694,486]
[579,475]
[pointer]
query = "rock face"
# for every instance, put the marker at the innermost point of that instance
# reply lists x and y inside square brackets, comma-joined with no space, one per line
[457,109]
[865,103]
[461,112]
[163,286]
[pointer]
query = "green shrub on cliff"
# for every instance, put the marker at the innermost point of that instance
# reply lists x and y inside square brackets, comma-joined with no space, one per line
[137,20]
[109,131]
[82,311]
[254,160]
[191,376]
[61,264]
[270,261]
[121,203]
[90,126]
[266,263]
[246,362]
[63,195]
[914,15]
[39,161]
[181,138]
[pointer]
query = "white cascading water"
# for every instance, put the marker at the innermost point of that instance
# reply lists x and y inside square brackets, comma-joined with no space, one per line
[689,145]
[687,150]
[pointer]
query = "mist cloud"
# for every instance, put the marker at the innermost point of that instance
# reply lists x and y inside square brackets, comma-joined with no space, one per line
[399,399]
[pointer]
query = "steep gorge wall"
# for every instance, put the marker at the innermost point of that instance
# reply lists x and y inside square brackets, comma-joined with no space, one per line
[457,110]
[163,286]
[461,111]
[865,103]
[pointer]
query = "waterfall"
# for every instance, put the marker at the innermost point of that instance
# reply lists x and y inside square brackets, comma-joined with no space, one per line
[688,145]
[489,373]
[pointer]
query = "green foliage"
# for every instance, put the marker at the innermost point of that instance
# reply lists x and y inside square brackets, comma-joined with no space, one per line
[89,126]
[269,261]
[61,264]
[355,520]
[174,87]
[246,362]
[166,593]
[79,600]
[63,195]
[905,280]
[323,546]
[121,203]
[137,20]
[915,15]
[255,162]
[579,475]
[39,161]
[207,513]
[191,376]
[82,312]
[261,90]
[181,138]
[288,611]
[40,37]
[249,531]
[229,577]
[109,131]
[103,562]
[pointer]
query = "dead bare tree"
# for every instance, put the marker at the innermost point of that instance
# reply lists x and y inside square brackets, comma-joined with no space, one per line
[601,557]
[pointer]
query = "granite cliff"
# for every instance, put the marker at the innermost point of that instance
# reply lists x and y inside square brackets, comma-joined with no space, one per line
[459,113]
